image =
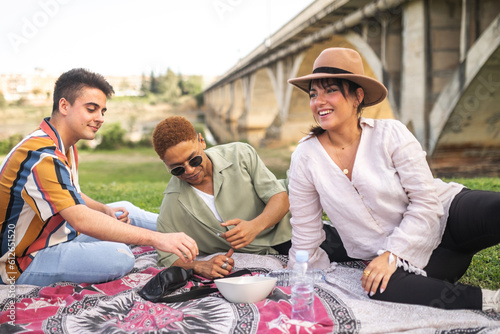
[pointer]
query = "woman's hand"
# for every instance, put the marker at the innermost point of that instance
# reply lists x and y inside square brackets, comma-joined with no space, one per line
[378,273]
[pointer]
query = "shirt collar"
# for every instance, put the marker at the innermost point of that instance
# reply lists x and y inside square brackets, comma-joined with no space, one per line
[367,121]
[53,134]
[219,163]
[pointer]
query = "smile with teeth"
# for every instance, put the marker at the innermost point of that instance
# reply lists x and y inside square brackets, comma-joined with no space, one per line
[325,112]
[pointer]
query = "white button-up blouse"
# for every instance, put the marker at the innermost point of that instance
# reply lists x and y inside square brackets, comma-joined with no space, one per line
[393,202]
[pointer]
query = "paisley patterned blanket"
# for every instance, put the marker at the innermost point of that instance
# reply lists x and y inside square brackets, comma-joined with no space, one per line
[116,307]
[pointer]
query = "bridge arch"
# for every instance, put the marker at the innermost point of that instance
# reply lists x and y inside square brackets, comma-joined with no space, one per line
[458,132]
[472,86]
[263,107]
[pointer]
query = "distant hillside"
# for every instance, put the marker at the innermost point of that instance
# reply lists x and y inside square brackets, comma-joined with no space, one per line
[134,114]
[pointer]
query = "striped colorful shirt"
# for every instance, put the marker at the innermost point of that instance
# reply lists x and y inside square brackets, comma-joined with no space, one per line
[38,179]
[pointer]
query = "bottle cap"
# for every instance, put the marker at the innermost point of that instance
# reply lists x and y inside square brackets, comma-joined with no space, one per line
[301,256]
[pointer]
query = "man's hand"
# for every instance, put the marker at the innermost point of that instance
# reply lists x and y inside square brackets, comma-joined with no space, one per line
[242,234]
[245,231]
[217,266]
[107,210]
[119,213]
[180,244]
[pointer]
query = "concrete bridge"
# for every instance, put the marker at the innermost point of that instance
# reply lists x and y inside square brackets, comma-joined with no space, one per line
[439,59]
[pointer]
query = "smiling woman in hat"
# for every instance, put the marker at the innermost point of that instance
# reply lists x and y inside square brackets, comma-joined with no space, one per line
[372,179]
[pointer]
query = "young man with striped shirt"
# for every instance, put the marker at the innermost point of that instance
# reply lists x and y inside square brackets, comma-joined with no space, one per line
[50,230]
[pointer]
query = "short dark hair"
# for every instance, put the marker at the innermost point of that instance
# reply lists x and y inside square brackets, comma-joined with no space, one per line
[70,84]
[170,132]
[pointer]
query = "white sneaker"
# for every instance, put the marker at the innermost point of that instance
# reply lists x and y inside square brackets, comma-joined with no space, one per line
[491,300]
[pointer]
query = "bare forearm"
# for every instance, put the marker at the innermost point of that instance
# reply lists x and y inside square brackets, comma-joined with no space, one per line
[187,266]
[101,226]
[275,210]
[93,204]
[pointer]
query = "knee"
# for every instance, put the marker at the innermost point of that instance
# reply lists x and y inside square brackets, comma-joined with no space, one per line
[125,204]
[121,260]
[492,205]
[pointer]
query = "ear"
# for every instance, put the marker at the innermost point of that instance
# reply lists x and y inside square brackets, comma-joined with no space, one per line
[202,141]
[360,94]
[63,106]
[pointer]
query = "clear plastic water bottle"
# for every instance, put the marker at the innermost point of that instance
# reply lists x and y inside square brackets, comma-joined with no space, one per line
[302,289]
[284,276]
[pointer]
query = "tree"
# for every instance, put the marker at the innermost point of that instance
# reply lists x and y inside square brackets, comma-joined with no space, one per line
[112,137]
[153,84]
[191,85]
[170,86]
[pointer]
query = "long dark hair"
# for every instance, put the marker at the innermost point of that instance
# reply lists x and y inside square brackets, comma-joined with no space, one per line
[324,83]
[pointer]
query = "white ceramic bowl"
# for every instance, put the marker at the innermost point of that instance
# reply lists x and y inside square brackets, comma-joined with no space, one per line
[245,289]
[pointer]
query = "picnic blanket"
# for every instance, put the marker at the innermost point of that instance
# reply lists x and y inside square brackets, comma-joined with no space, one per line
[341,306]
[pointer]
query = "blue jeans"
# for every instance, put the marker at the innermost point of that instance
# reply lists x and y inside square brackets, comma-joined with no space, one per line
[86,259]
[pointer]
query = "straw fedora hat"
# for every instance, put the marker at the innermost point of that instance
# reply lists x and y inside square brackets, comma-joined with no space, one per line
[346,64]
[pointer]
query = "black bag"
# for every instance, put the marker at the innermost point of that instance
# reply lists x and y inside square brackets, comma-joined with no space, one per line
[158,289]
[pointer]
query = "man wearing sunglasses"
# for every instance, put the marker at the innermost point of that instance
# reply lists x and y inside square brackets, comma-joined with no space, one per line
[223,197]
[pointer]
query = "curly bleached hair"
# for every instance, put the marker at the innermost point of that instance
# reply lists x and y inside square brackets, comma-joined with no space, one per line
[170,132]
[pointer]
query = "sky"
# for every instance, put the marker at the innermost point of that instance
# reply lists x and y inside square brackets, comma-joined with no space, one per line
[134,37]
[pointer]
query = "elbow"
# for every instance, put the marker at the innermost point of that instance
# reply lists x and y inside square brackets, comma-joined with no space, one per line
[75,216]
[285,200]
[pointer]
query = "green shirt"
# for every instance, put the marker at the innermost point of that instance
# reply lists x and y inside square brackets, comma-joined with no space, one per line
[242,187]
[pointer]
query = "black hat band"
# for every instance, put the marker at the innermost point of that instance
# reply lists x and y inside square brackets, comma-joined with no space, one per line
[331,70]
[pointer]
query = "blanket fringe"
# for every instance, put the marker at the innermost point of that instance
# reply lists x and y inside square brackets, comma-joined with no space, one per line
[402,263]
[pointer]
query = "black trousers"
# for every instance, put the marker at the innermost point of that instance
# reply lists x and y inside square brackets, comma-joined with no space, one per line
[473,225]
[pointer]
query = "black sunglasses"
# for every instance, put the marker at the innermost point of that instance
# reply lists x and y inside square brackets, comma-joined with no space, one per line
[193,162]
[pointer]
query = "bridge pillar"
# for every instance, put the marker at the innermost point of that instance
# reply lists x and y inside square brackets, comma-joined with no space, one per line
[215,111]
[261,107]
[413,81]
[217,123]
[238,101]
[284,128]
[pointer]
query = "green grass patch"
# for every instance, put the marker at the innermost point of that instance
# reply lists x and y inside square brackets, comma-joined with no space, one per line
[146,195]
[135,175]
[124,165]
[484,270]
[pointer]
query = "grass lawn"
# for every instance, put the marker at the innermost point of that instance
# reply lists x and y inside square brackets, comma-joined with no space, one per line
[137,175]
